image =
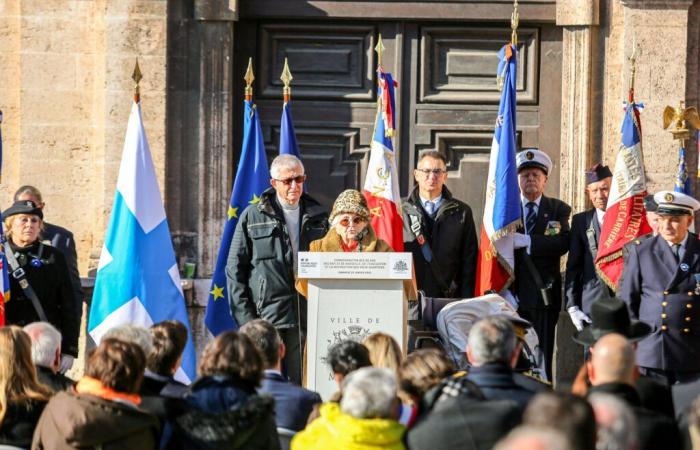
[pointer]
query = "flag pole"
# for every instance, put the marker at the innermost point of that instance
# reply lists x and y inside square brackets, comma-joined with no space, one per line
[286,78]
[249,78]
[136,76]
[514,22]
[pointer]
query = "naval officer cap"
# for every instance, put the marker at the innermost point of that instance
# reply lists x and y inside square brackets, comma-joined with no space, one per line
[675,204]
[531,157]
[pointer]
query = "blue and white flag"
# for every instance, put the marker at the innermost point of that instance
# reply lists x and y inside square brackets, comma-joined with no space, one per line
[252,178]
[137,278]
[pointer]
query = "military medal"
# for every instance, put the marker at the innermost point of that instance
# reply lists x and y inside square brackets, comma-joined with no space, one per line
[685,267]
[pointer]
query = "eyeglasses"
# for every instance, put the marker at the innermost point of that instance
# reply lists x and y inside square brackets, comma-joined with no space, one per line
[427,172]
[355,221]
[288,181]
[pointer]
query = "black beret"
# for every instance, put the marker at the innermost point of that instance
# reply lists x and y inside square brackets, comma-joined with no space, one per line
[597,173]
[650,204]
[23,207]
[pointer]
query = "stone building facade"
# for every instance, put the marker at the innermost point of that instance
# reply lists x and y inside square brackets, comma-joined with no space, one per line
[65,90]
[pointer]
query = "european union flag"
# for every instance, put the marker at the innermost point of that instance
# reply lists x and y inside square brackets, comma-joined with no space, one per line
[288,139]
[137,277]
[682,183]
[252,178]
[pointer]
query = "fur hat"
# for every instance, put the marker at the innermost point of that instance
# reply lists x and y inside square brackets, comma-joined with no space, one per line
[350,201]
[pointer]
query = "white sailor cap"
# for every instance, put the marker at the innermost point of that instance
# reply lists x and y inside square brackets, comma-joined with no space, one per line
[532,157]
[675,203]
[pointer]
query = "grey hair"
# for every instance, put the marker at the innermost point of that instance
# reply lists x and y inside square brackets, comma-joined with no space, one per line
[133,334]
[46,341]
[285,161]
[621,432]
[492,339]
[369,392]
[549,438]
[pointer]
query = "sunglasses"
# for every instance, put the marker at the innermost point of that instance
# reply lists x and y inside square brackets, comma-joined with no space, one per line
[355,221]
[288,181]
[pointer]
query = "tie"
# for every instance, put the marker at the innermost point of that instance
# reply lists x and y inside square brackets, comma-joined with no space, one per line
[677,252]
[430,208]
[531,217]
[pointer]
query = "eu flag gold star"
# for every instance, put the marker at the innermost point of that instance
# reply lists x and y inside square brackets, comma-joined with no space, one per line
[232,212]
[255,200]
[217,292]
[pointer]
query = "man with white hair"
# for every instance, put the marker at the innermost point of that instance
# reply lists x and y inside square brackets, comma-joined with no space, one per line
[365,418]
[617,426]
[134,334]
[46,355]
[261,266]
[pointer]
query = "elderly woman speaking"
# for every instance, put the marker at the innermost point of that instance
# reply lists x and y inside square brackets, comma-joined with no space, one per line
[42,288]
[350,228]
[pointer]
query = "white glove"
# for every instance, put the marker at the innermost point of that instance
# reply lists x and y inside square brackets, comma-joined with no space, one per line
[578,317]
[521,240]
[66,363]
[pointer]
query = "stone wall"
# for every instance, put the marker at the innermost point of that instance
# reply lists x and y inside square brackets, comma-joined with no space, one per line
[66,92]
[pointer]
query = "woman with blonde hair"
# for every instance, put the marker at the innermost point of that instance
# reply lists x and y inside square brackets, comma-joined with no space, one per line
[384,351]
[22,397]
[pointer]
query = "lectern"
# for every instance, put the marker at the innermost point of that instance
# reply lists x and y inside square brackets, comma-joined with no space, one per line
[351,295]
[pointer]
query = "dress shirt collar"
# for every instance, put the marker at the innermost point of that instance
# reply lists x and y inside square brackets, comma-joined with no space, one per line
[436,201]
[683,242]
[525,201]
[599,214]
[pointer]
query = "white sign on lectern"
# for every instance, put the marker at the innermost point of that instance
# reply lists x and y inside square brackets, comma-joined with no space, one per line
[351,295]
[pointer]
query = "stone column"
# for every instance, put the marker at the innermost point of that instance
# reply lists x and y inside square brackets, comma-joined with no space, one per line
[200,135]
[660,30]
[579,19]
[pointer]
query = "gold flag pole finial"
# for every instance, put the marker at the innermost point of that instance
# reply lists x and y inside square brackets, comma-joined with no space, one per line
[633,68]
[286,78]
[136,76]
[681,117]
[249,78]
[514,22]
[379,48]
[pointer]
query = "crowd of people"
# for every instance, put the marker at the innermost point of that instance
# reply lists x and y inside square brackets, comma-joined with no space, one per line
[129,397]
[635,390]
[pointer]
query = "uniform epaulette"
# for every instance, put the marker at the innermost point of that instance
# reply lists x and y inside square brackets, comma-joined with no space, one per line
[460,374]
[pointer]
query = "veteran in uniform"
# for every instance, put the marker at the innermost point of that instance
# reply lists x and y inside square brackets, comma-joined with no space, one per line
[540,242]
[661,286]
[583,286]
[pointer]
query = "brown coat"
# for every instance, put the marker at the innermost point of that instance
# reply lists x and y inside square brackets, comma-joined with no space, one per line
[332,242]
[72,421]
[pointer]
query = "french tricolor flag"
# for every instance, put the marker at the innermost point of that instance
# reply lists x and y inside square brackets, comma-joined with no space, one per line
[625,217]
[502,211]
[382,183]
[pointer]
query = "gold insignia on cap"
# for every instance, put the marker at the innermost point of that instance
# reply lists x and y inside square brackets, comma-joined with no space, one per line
[529,155]
[668,197]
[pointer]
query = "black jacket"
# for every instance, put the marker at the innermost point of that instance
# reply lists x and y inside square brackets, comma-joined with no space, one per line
[455,416]
[655,431]
[260,266]
[225,415]
[62,239]
[452,238]
[56,381]
[19,422]
[583,285]
[660,292]
[497,382]
[546,252]
[52,285]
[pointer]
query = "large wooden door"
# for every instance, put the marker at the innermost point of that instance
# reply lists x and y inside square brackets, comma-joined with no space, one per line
[447,98]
